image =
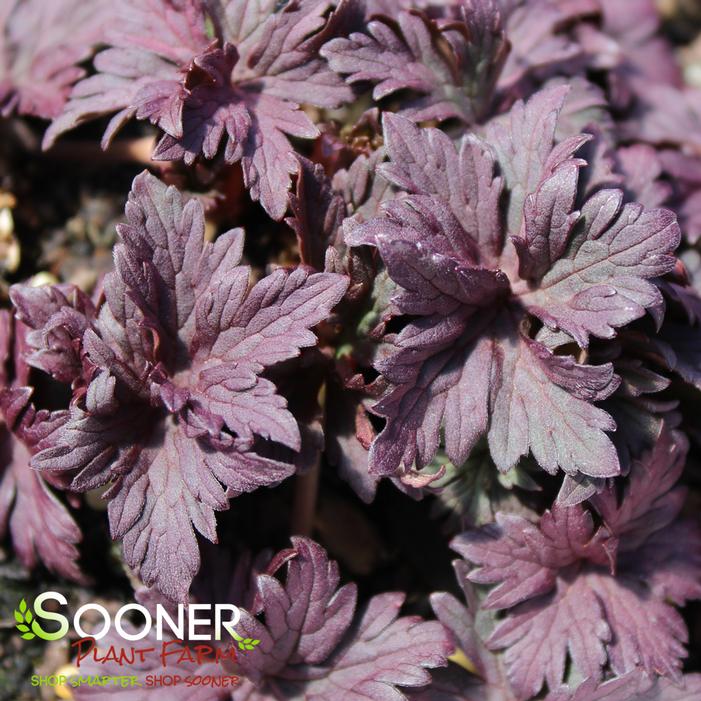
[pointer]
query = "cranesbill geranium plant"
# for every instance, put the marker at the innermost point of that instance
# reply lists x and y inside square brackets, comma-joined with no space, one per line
[465,316]
[173,400]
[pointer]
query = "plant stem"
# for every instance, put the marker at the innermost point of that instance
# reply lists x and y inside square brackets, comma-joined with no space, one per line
[307,485]
[123,151]
[304,507]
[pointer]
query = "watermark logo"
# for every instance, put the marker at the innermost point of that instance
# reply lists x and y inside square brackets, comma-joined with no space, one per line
[204,621]
[27,622]
[170,638]
[24,618]
[245,643]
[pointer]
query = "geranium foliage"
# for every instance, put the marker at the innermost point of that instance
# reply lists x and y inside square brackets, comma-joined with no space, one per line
[475,283]
[41,527]
[237,84]
[312,642]
[587,592]
[465,317]
[42,47]
[174,399]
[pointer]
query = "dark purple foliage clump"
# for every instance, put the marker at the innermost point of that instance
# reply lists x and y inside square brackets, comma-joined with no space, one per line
[469,291]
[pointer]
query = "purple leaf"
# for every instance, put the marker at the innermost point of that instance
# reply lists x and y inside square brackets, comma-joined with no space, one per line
[524,558]
[312,644]
[638,55]
[451,70]
[539,45]
[58,316]
[317,213]
[487,679]
[684,287]
[665,115]
[425,162]
[363,188]
[175,405]
[523,142]
[540,635]
[634,686]
[43,45]
[472,284]
[348,435]
[241,88]
[571,591]
[650,501]
[629,610]
[604,285]
[642,169]
[41,527]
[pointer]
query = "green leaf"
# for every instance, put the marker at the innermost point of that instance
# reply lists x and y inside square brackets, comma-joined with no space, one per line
[23,606]
[518,477]
[209,28]
[29,636]
[28,617]
[247,641]
[21,627]
[18,617]
[255,642]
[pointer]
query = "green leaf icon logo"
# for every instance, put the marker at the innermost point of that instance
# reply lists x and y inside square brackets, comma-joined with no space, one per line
[248,644]
[28,623]
[245,643]
[23,618]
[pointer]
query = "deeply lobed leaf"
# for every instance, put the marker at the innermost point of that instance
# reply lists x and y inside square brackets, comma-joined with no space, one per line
[175,407]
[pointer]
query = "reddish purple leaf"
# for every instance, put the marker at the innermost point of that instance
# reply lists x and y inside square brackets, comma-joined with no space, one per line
[58,316]
[175,405]
[472,290]
[41,527]
[241,87]
[311,643]
[43,45]
[634,686]
[588,596]
[450,69]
